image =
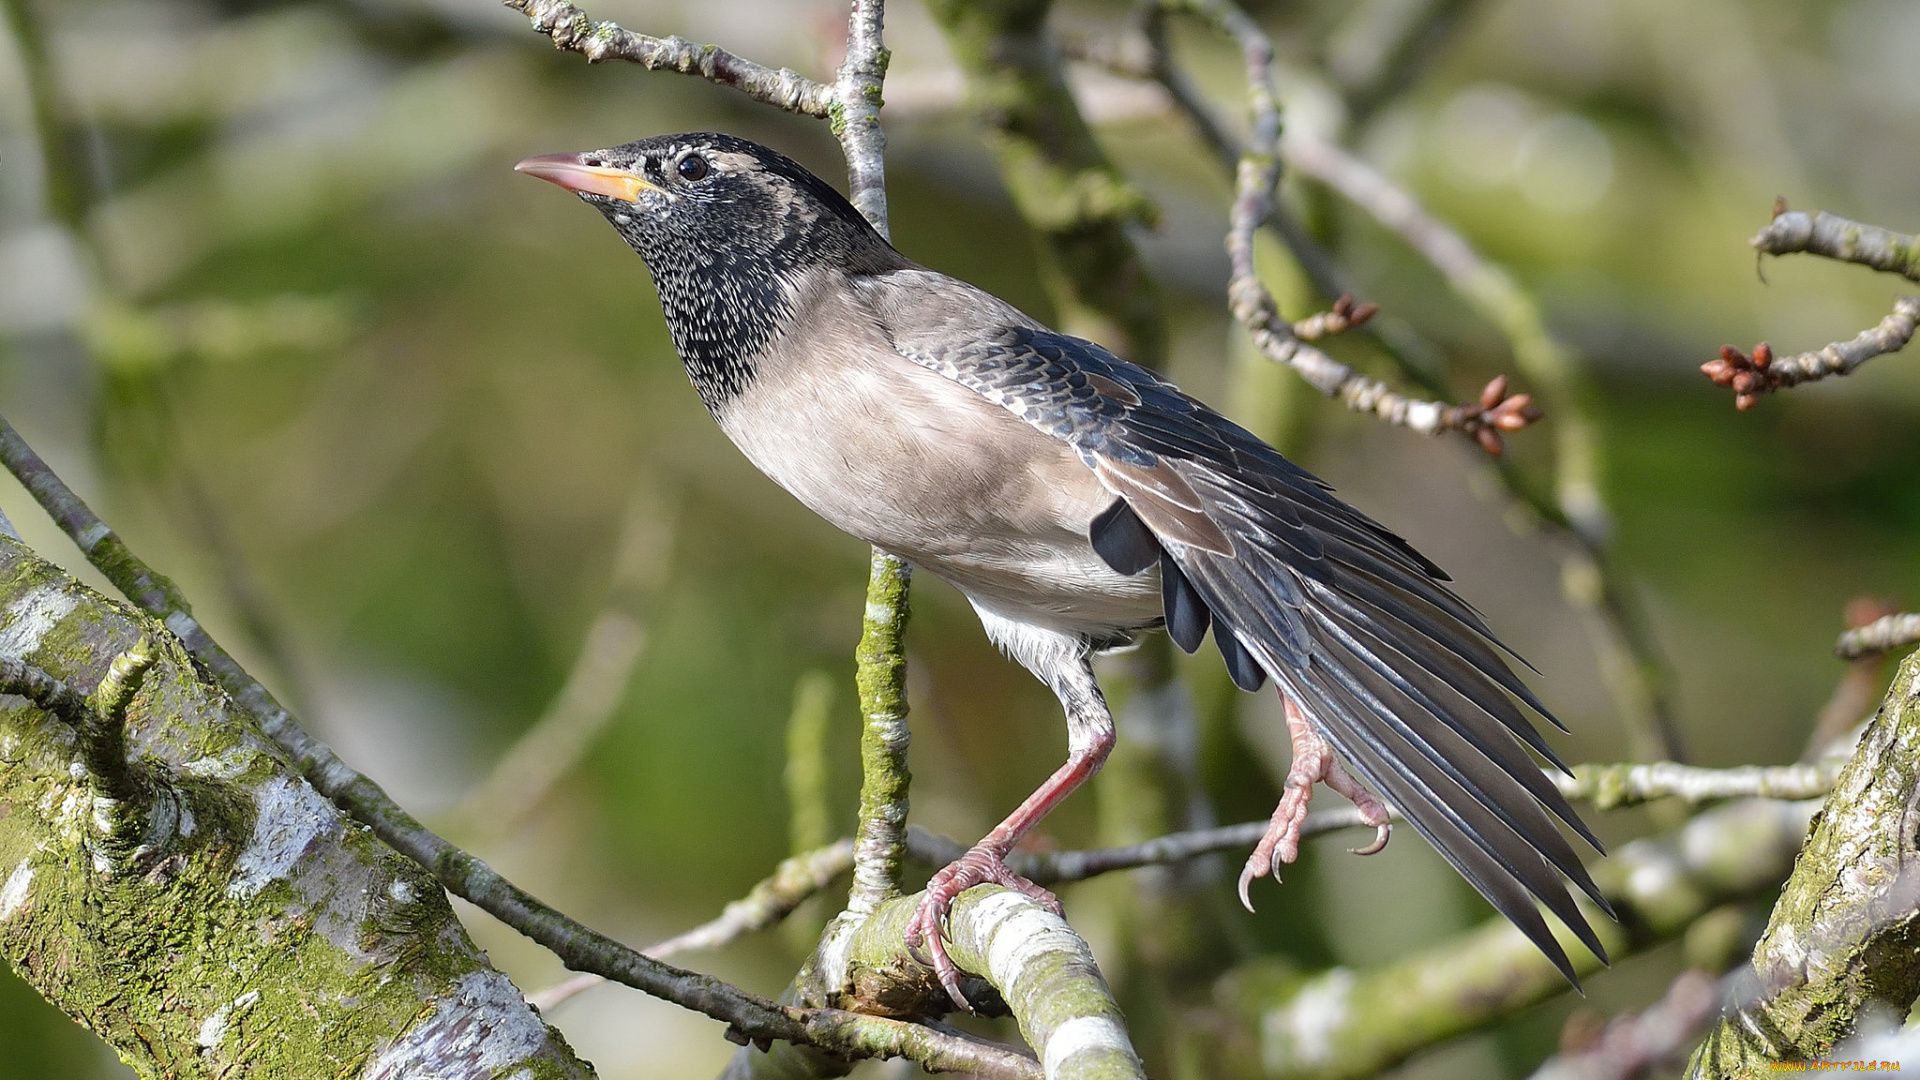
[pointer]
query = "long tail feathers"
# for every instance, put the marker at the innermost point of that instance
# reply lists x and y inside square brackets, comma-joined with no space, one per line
[1404,679]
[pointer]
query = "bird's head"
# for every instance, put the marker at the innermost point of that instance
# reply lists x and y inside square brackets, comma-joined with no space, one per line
[705,198]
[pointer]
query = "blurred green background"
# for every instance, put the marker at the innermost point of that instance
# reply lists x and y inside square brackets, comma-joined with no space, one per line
[402,423]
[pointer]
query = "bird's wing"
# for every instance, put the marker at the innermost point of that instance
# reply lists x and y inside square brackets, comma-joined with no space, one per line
[1403,677]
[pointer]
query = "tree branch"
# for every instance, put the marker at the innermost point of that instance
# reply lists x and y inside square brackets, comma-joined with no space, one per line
[1257,176]
[1844,932]
[1042,970]
[573,30]
[1821,233]
[1613,786]
[1882,635]
[855,111]
[229,906]
[1752,377]
[881,676]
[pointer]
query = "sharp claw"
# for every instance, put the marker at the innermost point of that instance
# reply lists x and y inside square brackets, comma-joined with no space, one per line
[1381,834]
[959,999]
[1246,884]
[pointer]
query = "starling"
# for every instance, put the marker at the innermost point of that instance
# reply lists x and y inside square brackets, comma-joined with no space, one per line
[1078,500]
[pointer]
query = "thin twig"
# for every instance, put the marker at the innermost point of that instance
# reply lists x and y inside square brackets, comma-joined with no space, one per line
[1257,175]
[1065,867]
[1882,635]
[1821,233]
[855,111]
[1610,787]
[791,884]
[572,29]
[1752,377]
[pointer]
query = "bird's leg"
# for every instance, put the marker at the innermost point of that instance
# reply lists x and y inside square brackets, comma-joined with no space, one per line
[1313,762]
[1090,736]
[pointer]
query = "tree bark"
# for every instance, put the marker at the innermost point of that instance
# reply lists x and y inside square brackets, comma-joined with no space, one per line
[1845,933]
[168,880]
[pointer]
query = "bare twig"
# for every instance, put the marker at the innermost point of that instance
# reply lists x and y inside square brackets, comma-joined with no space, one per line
[881,674]
[1821,233]
[1256,176]
[791,884]
[1882,635]
[855,111]
[1613,786]
[1343,316]
[1762,373]
[1834,237]
[1063,867]
[572,29]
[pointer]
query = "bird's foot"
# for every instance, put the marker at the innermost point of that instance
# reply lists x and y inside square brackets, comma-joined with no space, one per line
[982,865]
[1313,762]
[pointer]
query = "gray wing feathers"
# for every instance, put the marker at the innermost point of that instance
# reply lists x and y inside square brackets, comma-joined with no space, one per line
[1402,676]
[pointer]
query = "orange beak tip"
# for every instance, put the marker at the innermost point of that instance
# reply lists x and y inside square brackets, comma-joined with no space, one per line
[571,172]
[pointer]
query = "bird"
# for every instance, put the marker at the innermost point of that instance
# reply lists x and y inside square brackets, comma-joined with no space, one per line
[1079,501]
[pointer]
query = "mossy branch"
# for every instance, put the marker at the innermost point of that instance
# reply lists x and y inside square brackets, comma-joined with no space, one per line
[1042,970]
[232,913]
[881,676]
[1844,938]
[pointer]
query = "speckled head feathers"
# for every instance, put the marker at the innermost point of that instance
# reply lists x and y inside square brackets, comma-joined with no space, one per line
[727,227]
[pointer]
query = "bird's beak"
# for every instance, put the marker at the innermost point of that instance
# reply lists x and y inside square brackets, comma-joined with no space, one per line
[571,172]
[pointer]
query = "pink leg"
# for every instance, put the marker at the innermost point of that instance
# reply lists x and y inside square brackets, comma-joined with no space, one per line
[1313,762]
[986,863]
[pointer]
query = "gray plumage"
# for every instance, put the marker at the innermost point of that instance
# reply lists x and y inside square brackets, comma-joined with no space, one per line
[1077,499]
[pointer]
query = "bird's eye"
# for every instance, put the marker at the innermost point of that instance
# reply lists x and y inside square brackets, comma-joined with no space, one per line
[693,167]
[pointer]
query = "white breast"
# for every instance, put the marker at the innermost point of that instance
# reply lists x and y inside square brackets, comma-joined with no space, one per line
[908,460]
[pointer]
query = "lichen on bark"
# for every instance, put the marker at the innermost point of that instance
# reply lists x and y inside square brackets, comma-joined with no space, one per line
[248,929]
[1845,934]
